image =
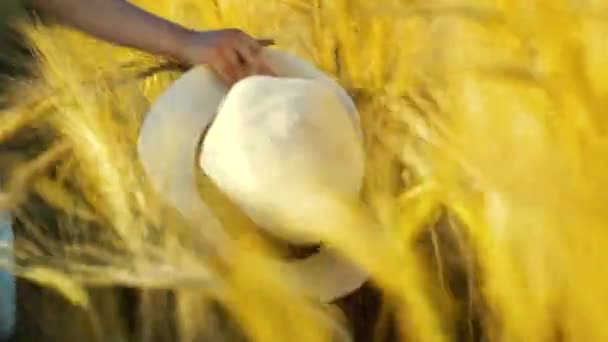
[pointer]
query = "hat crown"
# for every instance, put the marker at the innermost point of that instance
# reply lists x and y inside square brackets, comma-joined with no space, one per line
[278,106]
[276,144]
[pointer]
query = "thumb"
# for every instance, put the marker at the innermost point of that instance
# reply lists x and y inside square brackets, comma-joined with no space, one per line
[263,69]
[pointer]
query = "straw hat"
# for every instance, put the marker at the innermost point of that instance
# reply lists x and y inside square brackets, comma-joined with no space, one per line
[276,146]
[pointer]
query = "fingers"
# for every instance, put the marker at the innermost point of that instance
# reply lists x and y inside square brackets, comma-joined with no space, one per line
[223,66]
[238,56]
[233,64]
[230,65]
[249,50]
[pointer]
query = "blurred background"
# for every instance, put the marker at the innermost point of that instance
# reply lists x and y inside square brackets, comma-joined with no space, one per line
[485,140]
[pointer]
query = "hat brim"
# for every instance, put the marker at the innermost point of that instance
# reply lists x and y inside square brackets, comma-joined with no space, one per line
[169,139]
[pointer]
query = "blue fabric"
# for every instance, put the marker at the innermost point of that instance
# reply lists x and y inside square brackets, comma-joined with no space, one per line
[7,279]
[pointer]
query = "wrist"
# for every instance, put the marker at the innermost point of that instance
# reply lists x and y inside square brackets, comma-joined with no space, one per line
[177,41]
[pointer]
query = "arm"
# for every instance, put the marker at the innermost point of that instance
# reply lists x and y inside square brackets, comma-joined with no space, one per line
[231,53]
[119,22]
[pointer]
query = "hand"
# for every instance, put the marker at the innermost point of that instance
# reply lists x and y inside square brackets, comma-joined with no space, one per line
[231,53]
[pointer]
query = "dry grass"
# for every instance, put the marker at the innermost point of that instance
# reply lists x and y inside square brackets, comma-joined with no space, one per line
[484,124]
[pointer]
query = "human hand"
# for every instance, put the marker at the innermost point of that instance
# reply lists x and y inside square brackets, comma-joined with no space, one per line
[231,53]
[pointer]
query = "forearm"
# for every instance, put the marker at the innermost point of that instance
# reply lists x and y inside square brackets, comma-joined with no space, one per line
[119,22]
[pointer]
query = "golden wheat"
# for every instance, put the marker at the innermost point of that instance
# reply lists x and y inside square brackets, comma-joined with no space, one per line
[485,117]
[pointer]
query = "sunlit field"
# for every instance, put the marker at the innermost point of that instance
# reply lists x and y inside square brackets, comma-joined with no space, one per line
[485,210]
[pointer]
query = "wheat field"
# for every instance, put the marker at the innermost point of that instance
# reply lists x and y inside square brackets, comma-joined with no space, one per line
[487,166]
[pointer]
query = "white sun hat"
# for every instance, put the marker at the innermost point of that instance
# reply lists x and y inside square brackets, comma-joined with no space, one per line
[274,145]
